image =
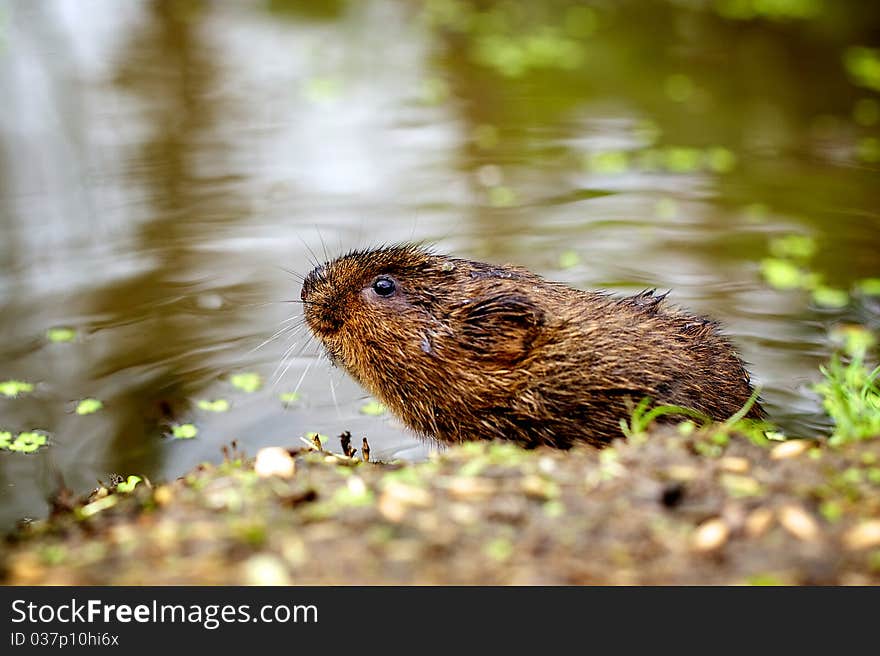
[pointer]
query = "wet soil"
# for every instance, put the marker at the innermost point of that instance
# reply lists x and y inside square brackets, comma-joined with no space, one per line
[666,509]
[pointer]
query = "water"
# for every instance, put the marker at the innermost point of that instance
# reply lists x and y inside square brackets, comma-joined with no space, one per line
[165,166]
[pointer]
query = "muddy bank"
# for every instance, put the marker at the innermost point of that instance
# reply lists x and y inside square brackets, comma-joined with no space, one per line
[670,509]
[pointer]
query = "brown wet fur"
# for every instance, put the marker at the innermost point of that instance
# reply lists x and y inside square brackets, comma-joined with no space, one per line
[464,350]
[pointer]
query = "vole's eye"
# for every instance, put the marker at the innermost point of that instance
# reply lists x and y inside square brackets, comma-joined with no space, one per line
[384,286]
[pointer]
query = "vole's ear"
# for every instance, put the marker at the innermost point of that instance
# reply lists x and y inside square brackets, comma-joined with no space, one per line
[501,327]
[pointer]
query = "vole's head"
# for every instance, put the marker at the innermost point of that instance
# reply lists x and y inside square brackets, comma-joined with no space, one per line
[377,301]
[389,312]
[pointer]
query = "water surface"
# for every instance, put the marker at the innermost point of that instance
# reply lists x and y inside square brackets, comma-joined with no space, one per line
[166,168]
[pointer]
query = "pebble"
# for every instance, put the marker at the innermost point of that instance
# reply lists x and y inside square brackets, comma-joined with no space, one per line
[734,464]
[865,535]
[798,522]
[710,535]
[683,473]
[397,498]
[789,449]
[738,485]
[274,461]
[758,521]
[468,487]
[461,513]
[264,569]
[163,495]
[409,495]
[539,487]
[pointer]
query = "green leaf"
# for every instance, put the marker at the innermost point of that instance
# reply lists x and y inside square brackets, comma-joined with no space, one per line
[5,439]
[128,485]
[373,409]
[247,382]
[88,406]
[781,274]
[61,334]
[218,405]
[869,286]
[829,297]
[12,388]
[28,442]
[184,431]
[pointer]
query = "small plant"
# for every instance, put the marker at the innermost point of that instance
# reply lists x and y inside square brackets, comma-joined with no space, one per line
[643,416]
[127,486]
[851,394]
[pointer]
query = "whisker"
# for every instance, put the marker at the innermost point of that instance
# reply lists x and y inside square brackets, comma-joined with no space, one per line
[258,305]
[323,245]
[333,390]
[293,273]
[315,262]
[282,361]
[277,378]
[278,333]
[304,373]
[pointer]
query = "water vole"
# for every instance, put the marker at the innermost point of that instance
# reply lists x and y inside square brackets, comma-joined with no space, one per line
[462,350]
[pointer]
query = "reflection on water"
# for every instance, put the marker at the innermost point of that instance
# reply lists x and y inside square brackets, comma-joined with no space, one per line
[164,164]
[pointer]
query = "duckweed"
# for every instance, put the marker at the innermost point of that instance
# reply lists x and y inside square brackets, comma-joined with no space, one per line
[373,409]
[61,334]
[218,405]
[782,274]
[25,442]
[14,388]
[829,297]
[88,406]
[247,382]
[184,431]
